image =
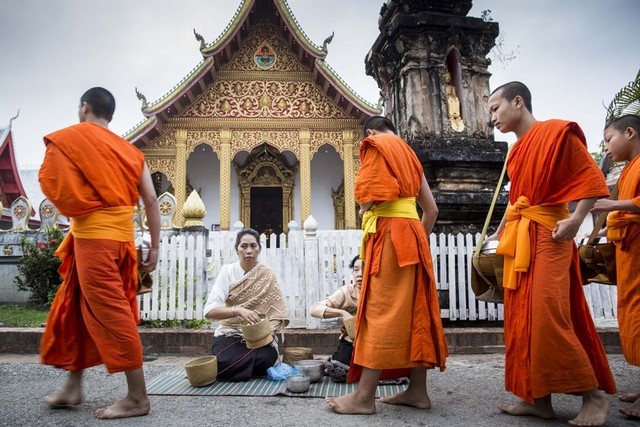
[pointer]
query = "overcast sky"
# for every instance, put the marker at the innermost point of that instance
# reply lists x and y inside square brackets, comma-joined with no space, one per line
[573,54]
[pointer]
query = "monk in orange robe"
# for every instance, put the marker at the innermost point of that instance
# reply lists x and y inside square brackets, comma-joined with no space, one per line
[622,143]
[398,324]
[550,339]
[95,178]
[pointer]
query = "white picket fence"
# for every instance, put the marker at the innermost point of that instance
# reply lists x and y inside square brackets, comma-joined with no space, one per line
[310,266]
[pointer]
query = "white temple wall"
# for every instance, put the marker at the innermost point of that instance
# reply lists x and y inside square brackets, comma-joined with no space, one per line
[203,172]
[327,172]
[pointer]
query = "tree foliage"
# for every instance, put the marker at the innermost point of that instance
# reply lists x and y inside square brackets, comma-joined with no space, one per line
[626,101]
[38,267]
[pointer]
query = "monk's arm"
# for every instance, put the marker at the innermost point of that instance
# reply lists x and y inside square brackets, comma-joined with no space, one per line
[566,229]
[608,205]
[148,193]
[364,207]
[428,205]
[503,222]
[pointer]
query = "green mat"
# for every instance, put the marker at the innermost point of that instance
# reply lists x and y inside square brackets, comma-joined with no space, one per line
[175,383]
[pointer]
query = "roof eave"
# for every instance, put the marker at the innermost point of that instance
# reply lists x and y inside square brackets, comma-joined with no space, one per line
[230,31]
[296,30]
[324,69]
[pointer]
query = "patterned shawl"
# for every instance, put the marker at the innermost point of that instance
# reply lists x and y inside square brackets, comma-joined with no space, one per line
[258,290]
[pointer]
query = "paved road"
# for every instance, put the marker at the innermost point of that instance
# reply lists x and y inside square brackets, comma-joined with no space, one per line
[466,394]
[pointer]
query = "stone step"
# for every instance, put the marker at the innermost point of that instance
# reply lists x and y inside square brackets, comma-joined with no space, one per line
[467,340]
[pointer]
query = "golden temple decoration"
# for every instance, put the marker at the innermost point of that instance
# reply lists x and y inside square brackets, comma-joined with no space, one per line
[168,140]
[266,169]
[349,201]
[264,99]
[193,210]
[164,166]
[319,138]
[283,140]
[305,175]
[247,58]
[180,185]
[208,137]
[225,179]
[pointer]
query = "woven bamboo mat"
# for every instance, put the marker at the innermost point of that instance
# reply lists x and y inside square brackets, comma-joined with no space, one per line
[175,383]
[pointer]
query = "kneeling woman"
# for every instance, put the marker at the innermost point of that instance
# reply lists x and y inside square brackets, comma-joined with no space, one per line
[241,292]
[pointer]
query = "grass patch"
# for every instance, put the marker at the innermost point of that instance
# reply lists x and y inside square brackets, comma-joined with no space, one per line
[185,324]
[20,316]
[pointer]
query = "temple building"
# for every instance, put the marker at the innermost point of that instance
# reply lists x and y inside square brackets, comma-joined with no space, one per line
[262,128]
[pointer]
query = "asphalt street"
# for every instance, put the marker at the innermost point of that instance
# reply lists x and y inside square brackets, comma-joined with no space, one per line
[466,394]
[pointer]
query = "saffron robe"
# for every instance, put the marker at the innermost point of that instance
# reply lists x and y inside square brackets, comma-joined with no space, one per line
[398,322]
[550,339]
[92,176]
[624,230]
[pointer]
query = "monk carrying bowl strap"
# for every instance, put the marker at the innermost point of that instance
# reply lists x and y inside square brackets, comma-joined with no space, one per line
[598,260]
[486,265]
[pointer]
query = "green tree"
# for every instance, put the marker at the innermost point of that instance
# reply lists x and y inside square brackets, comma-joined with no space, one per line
[38,267]
[626,101]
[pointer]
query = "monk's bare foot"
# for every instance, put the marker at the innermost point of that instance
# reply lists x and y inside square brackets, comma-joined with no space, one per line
[125,408]
[594,411]
[351,404]
[629,397]
[539,410]
[406,398]
[633,410]
[64,397]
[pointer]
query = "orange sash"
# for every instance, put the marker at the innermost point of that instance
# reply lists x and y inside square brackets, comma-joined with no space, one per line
[515,242]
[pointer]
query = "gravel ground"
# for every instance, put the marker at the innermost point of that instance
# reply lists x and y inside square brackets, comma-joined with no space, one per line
[466,394]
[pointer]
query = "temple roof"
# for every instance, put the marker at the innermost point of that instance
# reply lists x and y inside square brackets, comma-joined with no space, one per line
[10,183]
[222,50]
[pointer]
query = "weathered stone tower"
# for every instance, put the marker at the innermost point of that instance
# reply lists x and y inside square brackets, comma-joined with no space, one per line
[430,62]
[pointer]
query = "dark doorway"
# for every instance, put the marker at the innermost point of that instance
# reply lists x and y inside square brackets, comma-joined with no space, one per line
[266,210]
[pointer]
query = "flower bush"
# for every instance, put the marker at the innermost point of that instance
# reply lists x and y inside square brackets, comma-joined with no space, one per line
[38,267]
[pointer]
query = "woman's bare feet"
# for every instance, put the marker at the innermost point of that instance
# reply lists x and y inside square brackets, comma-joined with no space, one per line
[629,397]
[64,397]
[352,404]
[594,411]
[408,398]
[541,408]
[125,408]
[633,410]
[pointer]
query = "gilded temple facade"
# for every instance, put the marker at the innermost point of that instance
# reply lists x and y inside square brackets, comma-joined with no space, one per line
[262,128]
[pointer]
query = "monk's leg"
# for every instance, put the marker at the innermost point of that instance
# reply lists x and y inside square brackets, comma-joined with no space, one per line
[135,403]
[634,409]
[69,394]
[415,395]
[594,411]
[363,400]
[541,408]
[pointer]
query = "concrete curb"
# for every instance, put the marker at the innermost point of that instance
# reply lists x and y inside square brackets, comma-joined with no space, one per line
[471,340]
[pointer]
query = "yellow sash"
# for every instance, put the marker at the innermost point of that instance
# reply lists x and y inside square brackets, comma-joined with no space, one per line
[515,244]
[114,223]
[618,223]
[400,208]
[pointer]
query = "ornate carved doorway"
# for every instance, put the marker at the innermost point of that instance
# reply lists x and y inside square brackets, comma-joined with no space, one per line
[266,190]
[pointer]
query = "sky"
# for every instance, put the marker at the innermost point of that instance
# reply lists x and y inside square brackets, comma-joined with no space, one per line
[574,55]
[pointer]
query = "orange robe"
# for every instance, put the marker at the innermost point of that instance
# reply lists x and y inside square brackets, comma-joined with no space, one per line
[551,341]
[92,175]
[398,323]
[624,230]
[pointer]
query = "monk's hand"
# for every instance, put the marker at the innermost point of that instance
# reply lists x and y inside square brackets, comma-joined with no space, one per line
[150,263]
[494,236]
[604,205]
[565,229]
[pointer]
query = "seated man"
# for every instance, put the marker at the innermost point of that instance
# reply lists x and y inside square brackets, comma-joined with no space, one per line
[342,303]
